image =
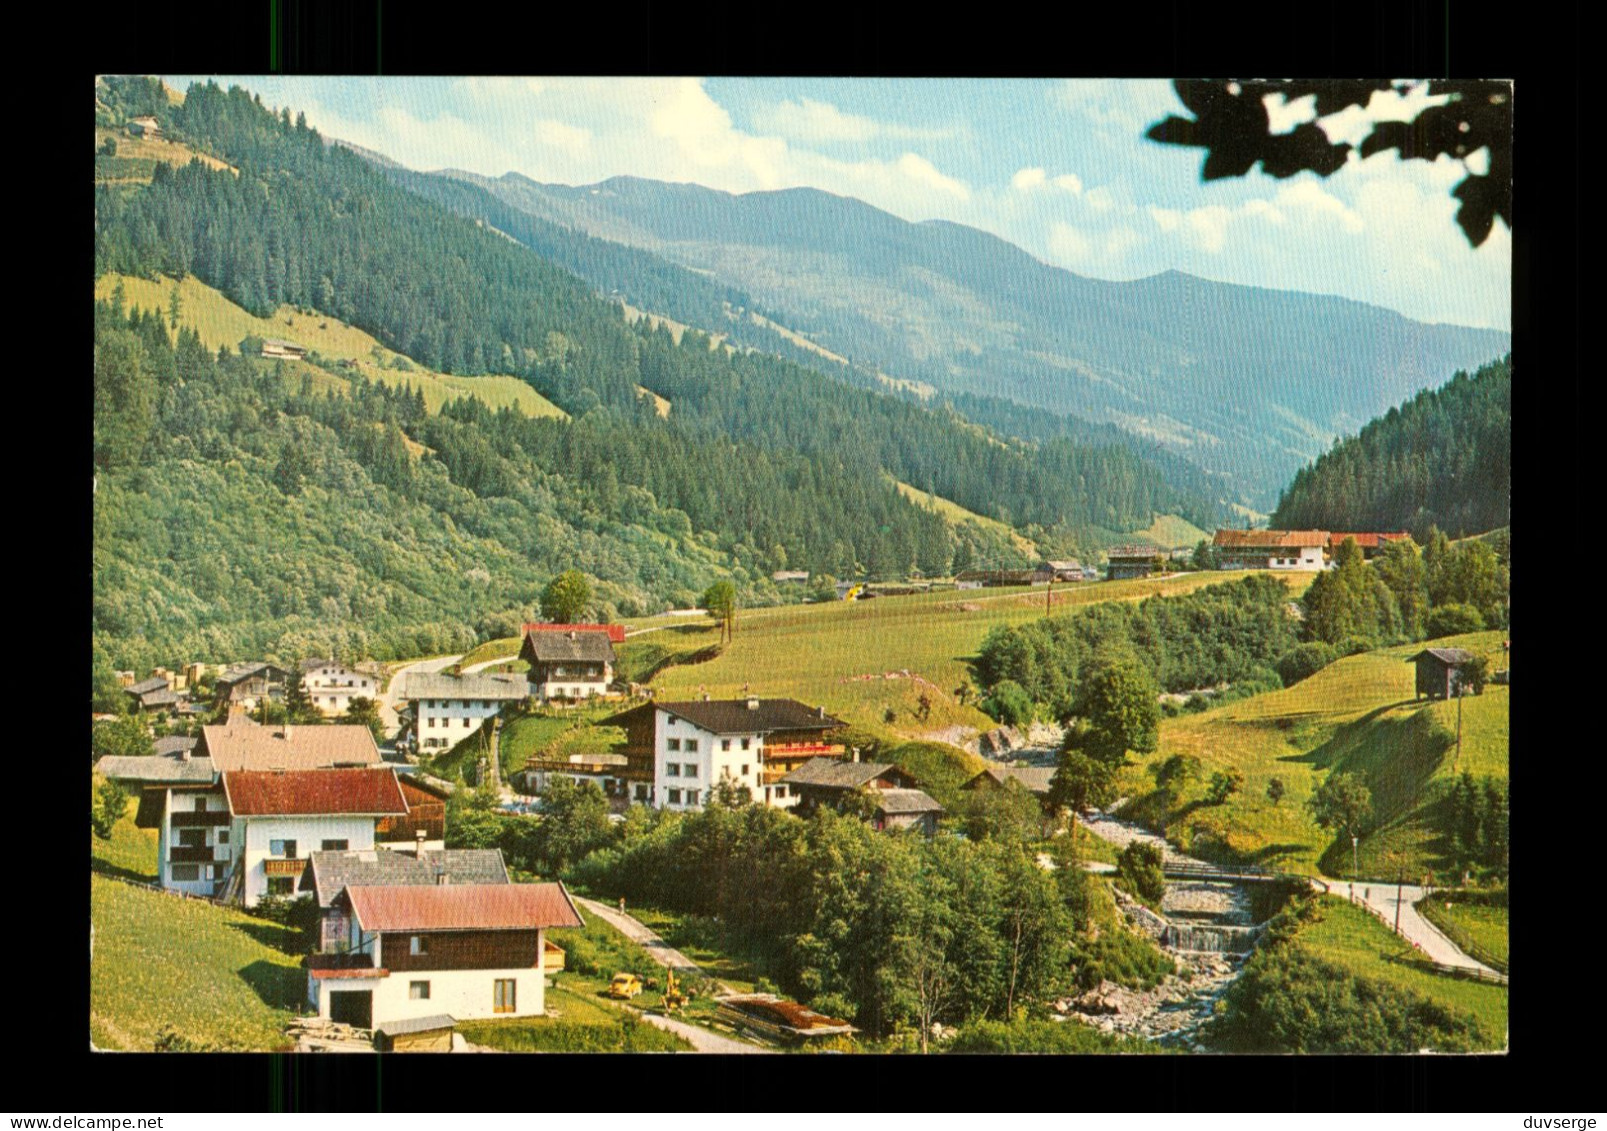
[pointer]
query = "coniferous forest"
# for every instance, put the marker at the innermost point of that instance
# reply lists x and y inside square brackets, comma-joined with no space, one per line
[1444,458]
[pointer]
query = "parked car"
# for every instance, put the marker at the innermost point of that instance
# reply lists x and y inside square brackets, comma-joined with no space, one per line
[625,986]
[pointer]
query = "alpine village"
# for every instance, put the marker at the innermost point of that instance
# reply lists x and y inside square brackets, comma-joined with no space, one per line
[638,617]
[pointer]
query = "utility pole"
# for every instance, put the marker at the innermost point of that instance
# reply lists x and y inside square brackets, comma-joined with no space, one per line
[1048,589]
[1457,760]
[1399,885]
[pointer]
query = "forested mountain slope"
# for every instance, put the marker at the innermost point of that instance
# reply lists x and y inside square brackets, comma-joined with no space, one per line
[1243,380]
[1443,458]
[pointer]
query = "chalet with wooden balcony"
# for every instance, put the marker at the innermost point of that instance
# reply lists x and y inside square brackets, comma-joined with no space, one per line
[331,686]
[1272,549]
[888,797]
[327,874]
[1128,563]
[249,685]
[459,950]
[676,752]
[571,661]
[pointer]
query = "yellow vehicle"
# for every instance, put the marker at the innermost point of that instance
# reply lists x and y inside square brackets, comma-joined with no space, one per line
[625,986]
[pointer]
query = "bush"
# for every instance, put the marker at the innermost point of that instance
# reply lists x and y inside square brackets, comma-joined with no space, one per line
[1139,871]
[1454,620]
[1008,703]
[1305,660]
[1355,645]
[1042,1037]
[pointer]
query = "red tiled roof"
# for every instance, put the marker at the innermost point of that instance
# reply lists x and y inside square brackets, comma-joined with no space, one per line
[1369,541]
[254,793]
[1270,539]
[463,907]
[616,632]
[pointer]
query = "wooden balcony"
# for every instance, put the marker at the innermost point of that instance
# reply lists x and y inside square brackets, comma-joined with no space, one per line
[201,854]
[294,866]
[794,751]
[191,819]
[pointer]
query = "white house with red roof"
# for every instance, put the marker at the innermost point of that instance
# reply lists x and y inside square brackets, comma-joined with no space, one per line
[463,951]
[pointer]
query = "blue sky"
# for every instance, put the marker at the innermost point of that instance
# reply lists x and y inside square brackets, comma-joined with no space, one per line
[1059,167]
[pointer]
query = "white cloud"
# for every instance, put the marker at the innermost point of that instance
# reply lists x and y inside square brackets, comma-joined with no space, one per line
[1071,182]
[1283,116]
[1029,178]
[919,169]
[1033,177]
[809,120]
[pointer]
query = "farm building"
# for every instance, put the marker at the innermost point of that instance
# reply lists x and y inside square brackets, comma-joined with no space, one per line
[327,874]
[278,347]
[145,126]
[1437,670]
[1127,563]
[1071,570]
[1370,543]
[573,661]
[1272,549]
[994,578]
[790,575]
[899,803]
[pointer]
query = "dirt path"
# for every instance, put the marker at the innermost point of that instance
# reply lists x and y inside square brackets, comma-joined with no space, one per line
[638,932]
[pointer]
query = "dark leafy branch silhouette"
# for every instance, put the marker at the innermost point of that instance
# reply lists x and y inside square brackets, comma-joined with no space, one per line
[1232,125]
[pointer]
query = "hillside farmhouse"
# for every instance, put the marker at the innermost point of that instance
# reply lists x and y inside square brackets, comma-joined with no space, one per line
[574,661]
[1272,549]
[1069,570]
[896,801]
[145,126]
[327,874]
[995,578]
[439,950]
[446,708]
[677,751]
[278,347]
[250,684]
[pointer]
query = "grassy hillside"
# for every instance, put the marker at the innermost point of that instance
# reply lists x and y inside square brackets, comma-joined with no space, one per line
[220,322]
[956,514]
[215,975]
[136,157]
[1356,715]
[1358,941]
[1170,532]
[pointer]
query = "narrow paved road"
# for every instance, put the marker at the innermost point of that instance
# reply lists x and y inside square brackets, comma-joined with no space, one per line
[670,958]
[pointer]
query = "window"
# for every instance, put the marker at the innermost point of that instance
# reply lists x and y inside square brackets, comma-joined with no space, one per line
[641,792]
[200,804]
[781,791]
[335,845]
[672,769]
[286,848]
[503,996]
[184,873]
[725,744]
[223,836]
[418,944]
[691,746]
[675,797]
[192,838]
[746,743]
[281,885]
[418,991]
[672,744]
[744,769]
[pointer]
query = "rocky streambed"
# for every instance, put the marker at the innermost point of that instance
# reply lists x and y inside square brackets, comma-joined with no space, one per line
[1172,1012]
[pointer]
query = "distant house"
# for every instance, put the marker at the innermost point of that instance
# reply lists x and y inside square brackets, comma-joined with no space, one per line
[995,578]
[438,951]
[278,347]
[899,803]
[677,751]
[250,684]
[1034,779]
[1370,543]
[447,708]
[1071,570]
[1272,549]
[574,662]
[331,686]
[145,126]
[1127,563]
[790,575]
[154,694]
[1437,670]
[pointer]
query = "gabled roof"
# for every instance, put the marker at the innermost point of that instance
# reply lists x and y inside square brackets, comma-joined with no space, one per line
[1067,565]
[1270,539]
[616,632]
[358,792]
[332,872]
[463,907]
[175,743]
[1034,778]
[900,802]
[158,769]
[245,671]
[440,685]
[241,744]
[157,697]
[576,646]
[750,716]
[407,1025]
[155,683]
[1450,656]
[1368,541]
[833,773]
